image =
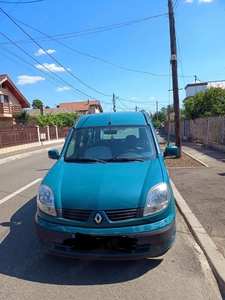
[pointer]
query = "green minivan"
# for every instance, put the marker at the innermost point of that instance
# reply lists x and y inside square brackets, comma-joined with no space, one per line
[108,196]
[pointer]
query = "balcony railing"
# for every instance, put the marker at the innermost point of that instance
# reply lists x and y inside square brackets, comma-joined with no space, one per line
[9,109]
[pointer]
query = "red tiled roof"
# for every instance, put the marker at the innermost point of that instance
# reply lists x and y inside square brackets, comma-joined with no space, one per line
[81,106]
[4,79]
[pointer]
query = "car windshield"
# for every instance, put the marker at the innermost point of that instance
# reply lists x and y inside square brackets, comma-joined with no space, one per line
[112,144]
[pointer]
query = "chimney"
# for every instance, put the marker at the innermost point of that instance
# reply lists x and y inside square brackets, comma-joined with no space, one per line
[42,109]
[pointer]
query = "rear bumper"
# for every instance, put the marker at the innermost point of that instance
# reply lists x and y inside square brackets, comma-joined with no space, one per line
[132,243]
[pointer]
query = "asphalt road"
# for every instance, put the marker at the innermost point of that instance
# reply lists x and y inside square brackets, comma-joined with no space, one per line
[27,273]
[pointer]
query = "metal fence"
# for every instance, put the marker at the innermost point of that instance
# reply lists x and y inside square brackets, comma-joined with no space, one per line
[15,136]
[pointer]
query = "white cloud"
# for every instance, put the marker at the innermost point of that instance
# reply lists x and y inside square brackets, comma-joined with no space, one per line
[189,1]
[50,67]
[41,52]
[152,98]
[208,1]
[62,89]
[25,79]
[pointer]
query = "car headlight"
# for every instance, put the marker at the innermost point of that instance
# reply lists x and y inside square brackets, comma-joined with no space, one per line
[45,200]
[157,199]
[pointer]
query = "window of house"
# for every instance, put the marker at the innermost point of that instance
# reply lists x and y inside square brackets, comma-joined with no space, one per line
[4,98]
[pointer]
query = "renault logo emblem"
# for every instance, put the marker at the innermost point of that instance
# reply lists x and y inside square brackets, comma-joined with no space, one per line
[98,218]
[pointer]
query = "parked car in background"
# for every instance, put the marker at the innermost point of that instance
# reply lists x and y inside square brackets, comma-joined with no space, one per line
[108,196]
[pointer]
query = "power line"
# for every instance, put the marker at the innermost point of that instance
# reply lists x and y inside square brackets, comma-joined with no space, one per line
[176,4]
[98,29]
[53,57]
[9,11]
[88,55]
[58,79]
[45,67]
[55,79]
[124,104]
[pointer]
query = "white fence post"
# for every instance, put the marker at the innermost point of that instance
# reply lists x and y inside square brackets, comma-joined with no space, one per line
[48,134]
[38,133]
[56,132]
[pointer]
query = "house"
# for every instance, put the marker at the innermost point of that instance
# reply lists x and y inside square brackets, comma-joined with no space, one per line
[197,86]
[83,107]
[11,101]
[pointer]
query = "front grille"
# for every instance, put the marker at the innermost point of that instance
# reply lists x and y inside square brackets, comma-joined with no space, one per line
[76,214]
[121,215]
[113,215]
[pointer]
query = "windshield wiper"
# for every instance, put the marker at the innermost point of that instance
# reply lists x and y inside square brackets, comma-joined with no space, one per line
[124,159]
[84,159]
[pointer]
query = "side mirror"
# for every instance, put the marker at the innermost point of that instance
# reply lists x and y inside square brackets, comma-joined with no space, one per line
[53,154]
[170,151]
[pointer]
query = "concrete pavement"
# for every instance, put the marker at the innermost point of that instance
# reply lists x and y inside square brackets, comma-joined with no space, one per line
[199,195]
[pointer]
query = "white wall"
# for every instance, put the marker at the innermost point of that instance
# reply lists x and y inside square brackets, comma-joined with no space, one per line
[12,98]
[193,89]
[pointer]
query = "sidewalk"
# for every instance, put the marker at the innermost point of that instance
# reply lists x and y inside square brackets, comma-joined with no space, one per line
[203,189]
[16,152]
[203,209]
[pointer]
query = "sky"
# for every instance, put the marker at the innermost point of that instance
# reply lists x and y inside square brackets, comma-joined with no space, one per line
[78,50]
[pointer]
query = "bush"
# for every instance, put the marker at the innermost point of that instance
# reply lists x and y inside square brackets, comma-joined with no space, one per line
[61,120]
[156,124]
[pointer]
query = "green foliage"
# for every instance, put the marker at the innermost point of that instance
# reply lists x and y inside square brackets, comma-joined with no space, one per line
[156,124]
[205,104]
[165,109]
[61,120]
[36,104]
[162,115]
[23,117]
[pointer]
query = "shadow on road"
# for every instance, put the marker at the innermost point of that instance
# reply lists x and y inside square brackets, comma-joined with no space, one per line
[21,257]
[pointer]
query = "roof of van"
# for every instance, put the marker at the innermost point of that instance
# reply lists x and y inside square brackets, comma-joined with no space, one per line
[112,118]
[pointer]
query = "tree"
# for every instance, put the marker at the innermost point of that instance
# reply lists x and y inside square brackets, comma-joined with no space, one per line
[23,117]
[205,104]
[37,104]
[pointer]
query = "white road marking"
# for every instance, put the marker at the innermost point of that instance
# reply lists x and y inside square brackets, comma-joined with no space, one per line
[19,191]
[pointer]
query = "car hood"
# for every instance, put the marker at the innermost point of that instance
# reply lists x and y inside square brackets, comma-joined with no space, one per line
[98,186]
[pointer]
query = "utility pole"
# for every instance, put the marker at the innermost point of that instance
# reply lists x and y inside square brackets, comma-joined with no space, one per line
[114,102]
[173,48]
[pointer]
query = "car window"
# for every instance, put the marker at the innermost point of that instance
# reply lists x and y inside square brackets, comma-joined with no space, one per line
[111,142]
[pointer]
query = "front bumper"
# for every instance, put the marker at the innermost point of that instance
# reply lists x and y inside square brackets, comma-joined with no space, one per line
[134,242]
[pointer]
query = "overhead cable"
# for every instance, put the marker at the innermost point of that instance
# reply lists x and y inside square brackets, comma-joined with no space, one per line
[45,66]
[53,57]
[88,55]
[92,56]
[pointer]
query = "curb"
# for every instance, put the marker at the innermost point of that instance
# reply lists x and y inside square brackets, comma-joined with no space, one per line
[198,160]
[214,257]
[27,146]
[21,155]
